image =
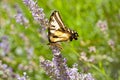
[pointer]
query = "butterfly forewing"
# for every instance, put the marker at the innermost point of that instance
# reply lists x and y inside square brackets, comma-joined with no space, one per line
[56,21]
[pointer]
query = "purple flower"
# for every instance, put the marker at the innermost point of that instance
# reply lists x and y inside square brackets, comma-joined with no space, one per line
[57,69]
[6,72]
[103,26]
[20,18]
[37,13]
[24,77]
[38,16]
[4,45]
[111,43]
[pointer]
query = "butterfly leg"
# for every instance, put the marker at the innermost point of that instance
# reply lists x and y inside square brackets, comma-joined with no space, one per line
[55,45]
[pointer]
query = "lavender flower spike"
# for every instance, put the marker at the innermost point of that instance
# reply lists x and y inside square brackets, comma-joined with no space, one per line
[37,13]
[20,18]
[57,69]
[60,64]
[38,16]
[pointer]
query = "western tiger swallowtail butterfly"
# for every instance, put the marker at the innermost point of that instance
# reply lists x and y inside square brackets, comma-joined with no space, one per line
[57,31]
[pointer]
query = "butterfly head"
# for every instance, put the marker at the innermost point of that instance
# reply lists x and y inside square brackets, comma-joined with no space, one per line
[74,36]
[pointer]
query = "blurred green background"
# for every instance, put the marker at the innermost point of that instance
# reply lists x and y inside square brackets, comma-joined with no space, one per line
[96,51]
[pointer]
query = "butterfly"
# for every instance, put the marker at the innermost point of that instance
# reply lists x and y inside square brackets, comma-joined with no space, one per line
[57,31]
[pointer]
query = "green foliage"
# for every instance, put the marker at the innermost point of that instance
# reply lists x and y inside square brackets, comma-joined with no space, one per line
[79,15]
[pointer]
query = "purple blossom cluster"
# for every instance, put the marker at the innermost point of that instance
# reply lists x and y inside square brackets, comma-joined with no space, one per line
[103,26]
[57,69]
[104,29]
[24,77]
[111,43]
[6,72]
[20,18]
[37,13]
[4,45]
[38,16]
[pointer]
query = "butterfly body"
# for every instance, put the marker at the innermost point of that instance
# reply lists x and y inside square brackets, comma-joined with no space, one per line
[57,31]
